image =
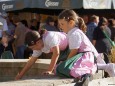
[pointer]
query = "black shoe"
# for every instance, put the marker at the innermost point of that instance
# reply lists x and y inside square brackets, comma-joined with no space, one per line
[83,81]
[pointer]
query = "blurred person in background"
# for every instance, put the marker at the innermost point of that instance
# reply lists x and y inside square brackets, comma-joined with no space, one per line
[27,52]
[34,25]
[11,28]
[19,36]
[111,25]
[50,24]
[4,27]
[5,45]
[100,41]
[25,23]
[86,19]
[91,26]
[38,18]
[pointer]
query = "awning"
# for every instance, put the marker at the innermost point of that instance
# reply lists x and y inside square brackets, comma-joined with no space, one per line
[10,5]
[113,1]
[54,5]
[57,4]
[97,4]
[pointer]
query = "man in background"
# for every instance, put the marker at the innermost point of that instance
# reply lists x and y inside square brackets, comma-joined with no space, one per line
[91,26]
[4,27]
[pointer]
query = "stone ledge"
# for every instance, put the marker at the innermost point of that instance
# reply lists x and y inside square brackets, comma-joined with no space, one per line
[40,63]
[103,82]
[39,81]
[9,68]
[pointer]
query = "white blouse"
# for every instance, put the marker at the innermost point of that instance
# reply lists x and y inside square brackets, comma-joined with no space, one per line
[51,39]
[78,40]
[74,39]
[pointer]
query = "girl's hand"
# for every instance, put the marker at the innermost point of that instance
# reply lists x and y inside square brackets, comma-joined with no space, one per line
[18,77]
[48,73]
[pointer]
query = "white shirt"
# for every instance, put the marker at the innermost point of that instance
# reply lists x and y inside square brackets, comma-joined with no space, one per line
[74,39]
[78,40]
[4,27]
[50,40]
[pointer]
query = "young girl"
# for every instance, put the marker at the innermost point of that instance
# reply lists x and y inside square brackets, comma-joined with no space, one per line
[82,52]
[55,42]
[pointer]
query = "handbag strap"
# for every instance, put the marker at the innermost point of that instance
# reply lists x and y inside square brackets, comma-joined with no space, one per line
[108,38]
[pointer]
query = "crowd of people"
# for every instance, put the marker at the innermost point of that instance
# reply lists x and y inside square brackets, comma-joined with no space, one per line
[71,40]
[14,30]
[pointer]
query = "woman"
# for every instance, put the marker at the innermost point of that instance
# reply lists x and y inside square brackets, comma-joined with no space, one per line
[99,39]
[112,28]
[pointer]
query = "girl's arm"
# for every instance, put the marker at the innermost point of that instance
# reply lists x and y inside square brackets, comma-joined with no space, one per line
[54,59]
[26,68]
[73,52]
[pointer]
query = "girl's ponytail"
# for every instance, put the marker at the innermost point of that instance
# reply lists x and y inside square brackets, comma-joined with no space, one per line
[42,31]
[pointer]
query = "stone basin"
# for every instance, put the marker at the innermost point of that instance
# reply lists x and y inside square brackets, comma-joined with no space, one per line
[34,77]
[9,68]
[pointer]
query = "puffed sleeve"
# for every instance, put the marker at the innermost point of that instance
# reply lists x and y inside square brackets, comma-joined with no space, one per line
[36,53]
[52,40]
[75,41]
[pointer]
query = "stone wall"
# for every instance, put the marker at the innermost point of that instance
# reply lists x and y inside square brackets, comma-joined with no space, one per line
[9,68]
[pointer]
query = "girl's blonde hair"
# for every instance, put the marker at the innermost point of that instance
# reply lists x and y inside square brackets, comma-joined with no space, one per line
[69,15]
[82,25]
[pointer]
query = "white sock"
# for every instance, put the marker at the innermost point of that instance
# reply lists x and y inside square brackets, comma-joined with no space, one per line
[99,59]
[102,66]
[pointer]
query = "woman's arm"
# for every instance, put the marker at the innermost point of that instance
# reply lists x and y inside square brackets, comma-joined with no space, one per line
[54,59]
[73,52]
[26,68]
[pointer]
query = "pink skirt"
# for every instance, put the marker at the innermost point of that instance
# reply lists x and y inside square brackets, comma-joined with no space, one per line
[85,65]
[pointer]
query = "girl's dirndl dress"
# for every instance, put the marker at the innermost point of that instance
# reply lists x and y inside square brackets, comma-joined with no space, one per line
[83,62]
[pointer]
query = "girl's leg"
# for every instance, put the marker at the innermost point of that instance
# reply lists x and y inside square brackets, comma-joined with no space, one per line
[109,68]
[101,66]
